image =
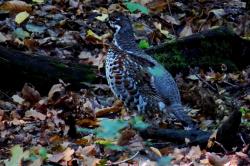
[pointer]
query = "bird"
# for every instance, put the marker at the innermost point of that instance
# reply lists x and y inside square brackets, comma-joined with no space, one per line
[134,77]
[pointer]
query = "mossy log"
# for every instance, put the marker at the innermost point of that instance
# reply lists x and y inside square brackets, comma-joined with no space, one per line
[16,68]
[208,49]
[205,49]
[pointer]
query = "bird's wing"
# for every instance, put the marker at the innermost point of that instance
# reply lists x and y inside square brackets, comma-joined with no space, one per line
[137,72]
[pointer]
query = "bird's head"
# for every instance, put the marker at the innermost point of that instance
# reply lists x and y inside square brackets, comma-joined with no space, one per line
[118,20]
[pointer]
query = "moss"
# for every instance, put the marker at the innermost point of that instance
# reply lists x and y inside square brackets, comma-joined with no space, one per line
[58,64]
[173,60]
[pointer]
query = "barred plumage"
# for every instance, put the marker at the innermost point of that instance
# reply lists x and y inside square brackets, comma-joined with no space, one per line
[144,85]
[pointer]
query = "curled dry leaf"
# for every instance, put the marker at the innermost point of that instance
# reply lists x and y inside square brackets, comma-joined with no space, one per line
[30,94]
[16,6]
[33,113]
[18,99]
[194,153]
[87,58]
[56,92]
[216,160]
[66,156]
[1,114]
[156,151]
[88,150]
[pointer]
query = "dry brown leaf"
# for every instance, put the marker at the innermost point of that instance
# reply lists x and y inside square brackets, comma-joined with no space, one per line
[56,91]
[211,140]
[126,136]
[115,7]
[156,151]
[56,158]
[90,161]
[30,94]
[87,58]
[33,113]
[55,138]
[117,107]
[178,154]
[89,150]
[194,153]
[1,114]
[216,160]
[68,154]
[81,141]
[87,123]
[16,6]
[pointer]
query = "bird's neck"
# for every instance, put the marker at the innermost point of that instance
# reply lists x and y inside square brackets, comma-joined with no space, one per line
[124,39]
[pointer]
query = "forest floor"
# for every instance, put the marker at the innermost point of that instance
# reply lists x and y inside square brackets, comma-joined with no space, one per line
[89,126]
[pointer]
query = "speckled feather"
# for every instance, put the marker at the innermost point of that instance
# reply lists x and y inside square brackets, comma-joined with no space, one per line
[144,85]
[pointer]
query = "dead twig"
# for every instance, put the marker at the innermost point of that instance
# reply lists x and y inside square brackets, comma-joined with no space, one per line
[126,160]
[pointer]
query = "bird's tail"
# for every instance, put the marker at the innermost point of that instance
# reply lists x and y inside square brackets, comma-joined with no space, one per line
[179,113]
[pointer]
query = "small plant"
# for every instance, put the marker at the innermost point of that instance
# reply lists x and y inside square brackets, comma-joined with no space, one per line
[133,7]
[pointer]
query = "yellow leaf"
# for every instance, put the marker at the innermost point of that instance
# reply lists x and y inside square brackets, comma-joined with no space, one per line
[38,1]
[102,18]
[20,17]
[158,26]
[92,34]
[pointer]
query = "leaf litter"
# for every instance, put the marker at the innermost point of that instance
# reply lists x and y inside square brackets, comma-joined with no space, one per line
[39,130]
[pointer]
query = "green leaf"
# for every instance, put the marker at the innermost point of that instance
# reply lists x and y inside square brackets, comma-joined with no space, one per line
[164,161]
[143,44]
[109,145]
[21,34]
[133,7]
[244,111]
[138,123]
[110,128]
[43,153]
[17,154]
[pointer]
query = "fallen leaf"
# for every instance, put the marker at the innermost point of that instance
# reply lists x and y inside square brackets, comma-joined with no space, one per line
[186,31]
[219,13]
[156,151]
[1,114]
[159,27]
[194,153]
[17,154]
[102,18]
[30,94]
[56,92]
[216,160]
[16,6]
[18,99]
[2,37]
[38,1]
[21,34]
[20,17]
[33,113]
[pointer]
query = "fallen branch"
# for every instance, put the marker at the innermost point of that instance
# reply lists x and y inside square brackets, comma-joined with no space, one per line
[226,134]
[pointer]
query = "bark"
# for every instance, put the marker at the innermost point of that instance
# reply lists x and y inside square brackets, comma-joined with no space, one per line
[16,68]
[205,49]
